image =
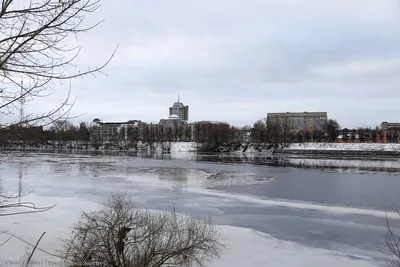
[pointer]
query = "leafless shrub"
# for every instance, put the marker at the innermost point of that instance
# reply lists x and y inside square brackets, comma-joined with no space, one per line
[122,235]
[392,242]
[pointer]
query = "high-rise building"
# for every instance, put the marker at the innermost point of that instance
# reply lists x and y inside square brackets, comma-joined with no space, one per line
[300,121]
[180,110]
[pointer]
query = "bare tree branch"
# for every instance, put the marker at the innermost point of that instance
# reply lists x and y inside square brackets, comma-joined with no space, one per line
[35,47]
[33,250]
[37,54]
[392,242]
[29,244]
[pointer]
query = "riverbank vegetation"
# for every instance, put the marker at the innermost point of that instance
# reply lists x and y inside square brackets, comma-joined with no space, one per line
[120,234]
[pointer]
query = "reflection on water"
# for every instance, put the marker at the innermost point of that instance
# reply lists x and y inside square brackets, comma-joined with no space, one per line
[176,177]
[21,172]
[60,168]
[96,172]
[77,174]
[327,162]
[224,178]
[361,165]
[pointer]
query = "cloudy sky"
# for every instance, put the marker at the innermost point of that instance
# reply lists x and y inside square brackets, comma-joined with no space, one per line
[237,60]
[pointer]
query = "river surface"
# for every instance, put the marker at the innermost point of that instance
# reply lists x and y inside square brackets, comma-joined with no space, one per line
[275,212]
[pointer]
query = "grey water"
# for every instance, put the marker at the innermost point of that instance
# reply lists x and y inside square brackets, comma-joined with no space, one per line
[221,186]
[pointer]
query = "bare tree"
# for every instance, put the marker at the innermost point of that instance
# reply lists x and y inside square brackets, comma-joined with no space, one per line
[287,135]
[331,127]
[259,131]
[117,137]
[274,132]
[61,126]
[36,56]
[122,235]
[34,52]
[83,132]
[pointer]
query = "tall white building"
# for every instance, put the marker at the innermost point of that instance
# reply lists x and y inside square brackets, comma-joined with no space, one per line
[180,110]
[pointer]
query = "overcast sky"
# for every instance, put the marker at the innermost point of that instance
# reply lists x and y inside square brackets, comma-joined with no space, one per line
[235,61]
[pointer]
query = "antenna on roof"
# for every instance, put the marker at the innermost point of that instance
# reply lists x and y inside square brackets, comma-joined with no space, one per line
[178,97]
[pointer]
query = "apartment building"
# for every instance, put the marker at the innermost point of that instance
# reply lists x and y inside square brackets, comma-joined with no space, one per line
[108,131]
[297,122]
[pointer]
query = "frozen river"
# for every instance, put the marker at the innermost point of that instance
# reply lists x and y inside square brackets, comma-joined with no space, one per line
[272,212]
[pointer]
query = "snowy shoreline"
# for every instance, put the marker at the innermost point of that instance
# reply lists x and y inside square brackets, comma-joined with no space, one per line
[342,149]
[345,146]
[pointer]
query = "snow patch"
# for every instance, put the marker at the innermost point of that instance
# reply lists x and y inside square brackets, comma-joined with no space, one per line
[183,146]
[345,146]
[373,165]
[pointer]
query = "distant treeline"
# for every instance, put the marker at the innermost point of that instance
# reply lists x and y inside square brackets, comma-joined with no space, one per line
[37,133]
[211,135]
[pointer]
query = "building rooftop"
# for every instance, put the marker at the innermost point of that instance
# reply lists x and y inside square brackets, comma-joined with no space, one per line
[178,105]
[174,117]
[387,125]
[299,114]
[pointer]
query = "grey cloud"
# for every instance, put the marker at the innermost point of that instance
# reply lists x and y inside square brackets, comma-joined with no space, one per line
[237,60]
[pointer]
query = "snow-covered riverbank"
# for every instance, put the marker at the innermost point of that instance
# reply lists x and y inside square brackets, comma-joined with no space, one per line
[346,146]
[245,147]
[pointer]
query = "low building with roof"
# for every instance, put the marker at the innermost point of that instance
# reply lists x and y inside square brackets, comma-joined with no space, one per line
[390,132]
[109,131]
[172,120]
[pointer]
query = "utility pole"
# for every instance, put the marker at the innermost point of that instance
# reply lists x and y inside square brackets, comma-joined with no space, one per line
[21,101]
[21,118]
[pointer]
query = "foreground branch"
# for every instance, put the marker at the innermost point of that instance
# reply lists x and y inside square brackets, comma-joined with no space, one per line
[37,51]
[392,242]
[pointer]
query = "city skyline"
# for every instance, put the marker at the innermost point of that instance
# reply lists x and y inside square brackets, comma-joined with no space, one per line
[234,64]
[295,113]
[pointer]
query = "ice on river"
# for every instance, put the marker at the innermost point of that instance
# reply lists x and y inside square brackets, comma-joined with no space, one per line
[77,183]
[245,247]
